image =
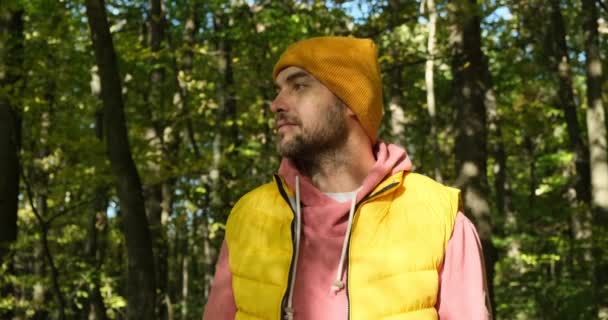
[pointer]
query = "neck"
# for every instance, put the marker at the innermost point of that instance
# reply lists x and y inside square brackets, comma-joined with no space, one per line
[338,170]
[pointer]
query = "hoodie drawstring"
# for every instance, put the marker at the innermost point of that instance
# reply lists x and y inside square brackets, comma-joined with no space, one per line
[339,284]
[289,312]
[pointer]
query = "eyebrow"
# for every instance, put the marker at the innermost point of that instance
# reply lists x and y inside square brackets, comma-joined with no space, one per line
[297,75]
[293,77]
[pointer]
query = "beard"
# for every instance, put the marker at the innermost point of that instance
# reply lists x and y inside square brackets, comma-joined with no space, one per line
[325,136]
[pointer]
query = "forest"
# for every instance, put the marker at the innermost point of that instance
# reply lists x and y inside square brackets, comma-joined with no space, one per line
[128,129]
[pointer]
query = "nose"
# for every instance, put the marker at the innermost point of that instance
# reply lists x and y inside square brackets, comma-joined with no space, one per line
[278,104]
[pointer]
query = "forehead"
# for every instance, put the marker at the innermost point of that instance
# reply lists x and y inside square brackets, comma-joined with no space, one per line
[291,73]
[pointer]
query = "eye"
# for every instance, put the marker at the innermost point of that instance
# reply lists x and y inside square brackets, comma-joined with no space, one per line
[298,86]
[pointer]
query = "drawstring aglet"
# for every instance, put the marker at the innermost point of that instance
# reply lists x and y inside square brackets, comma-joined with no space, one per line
[337,286]
[289,313]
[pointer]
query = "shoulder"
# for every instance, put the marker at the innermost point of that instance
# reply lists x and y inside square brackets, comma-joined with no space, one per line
[438,201]
[259,212]
[257,196]
[429,188]
[263,202]
[421,180]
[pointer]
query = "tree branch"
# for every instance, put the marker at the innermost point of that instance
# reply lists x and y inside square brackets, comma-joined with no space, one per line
[44,228]
[70,208]
[28,191]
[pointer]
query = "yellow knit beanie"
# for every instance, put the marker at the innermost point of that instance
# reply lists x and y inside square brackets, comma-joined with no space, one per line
[348,67]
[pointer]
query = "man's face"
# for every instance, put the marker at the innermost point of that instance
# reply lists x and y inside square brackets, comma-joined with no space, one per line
[310,119]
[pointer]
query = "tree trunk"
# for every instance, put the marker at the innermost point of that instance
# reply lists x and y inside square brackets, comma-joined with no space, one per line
[430,86]
[530,147]
[568,105]
[226,93]
[187,60]
[395,112]
[38,198]
[153,195]
[579,220]
[11,29]
[95,248]
[141,285]
[226,100]
[39,205]
[182,71]
[59,299]
[159,197]
[471,87]
[598,147]
[227,132]
[501,185]
[185,268]
[395,109]
[98,227]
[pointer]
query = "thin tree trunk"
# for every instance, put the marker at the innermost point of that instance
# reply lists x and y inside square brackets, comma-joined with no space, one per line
[396,113]
[98,226]
[209,256]
[227,101]
[530,148]
[226,98]
[430,85]
[187,60]
[184,67]
[154,193]
[598,147]
[226,93]
[501,185]
[59,299]
[40,207]
[185,267]
[471,87]
[503,192]
[39,199]
[162,194]
[141,284]
[395,109]
[568,105]
[96,239]
[502,188]
[182,72]
[579,221]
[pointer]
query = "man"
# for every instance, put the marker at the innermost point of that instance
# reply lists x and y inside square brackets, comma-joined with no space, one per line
[345,230]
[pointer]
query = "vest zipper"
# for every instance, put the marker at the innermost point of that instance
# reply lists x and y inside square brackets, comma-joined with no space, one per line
[357,206]
[286,198]
[293,243]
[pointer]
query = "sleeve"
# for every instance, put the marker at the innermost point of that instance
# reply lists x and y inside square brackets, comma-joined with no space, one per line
[221,305]
[462,287]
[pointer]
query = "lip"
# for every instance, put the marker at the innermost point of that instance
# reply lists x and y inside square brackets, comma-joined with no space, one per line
[283,124]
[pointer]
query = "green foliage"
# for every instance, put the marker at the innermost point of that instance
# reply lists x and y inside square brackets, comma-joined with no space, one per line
[184,130]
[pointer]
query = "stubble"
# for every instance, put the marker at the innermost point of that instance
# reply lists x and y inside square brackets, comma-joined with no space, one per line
[320,140]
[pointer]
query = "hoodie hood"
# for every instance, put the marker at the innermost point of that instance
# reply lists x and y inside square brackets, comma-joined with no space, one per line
[322,214]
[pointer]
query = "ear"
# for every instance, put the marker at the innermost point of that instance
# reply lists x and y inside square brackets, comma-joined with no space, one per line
[349,112]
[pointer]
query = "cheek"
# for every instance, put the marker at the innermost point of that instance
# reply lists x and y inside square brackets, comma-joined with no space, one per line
[311,117]
[313,109]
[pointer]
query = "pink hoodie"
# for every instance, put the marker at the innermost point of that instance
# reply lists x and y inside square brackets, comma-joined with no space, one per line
[324,220]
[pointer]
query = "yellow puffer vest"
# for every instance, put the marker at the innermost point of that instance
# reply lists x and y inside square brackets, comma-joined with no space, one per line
[400,232]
